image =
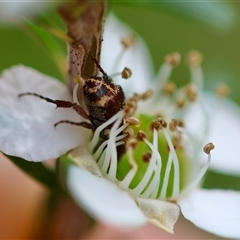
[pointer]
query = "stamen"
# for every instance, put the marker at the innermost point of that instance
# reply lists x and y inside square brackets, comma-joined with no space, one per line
[150,170]
[130,146]
[93,143]
[173,125]
[146,157]
[126,73]
[176,180]
[111,152]
[158,165]
[148,94]
[207,149]
[194,60]
[171,60]
[163,194]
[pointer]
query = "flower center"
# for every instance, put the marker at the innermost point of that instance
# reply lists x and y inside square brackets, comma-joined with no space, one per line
[161,157]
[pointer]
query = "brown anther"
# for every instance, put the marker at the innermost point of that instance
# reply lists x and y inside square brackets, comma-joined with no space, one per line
[169,88]
[131,144]
[129,132]
[128,41]
[191,92]
[173,125]
[126,73]
[132,121]
[222,90]
[208,148]
[194,59]
[149,93]
[173,59]
[141,136]
[157,124]
[146,157]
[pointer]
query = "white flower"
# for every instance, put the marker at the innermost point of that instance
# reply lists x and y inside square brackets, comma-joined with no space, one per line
[124,192]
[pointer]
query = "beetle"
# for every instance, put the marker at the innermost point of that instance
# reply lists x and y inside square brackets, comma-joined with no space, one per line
[102,98]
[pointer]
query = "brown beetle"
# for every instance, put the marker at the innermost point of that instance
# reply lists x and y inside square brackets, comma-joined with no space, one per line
[102,98]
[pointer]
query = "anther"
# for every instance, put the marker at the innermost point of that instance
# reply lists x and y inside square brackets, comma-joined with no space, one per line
[132,121]
[173,59]
[208,148]
[148,94]
[141,136]
[222,90]
[146,157]
[157,124]
[126,73]
[169,88]
[130,108]
[194,59]
[128,41]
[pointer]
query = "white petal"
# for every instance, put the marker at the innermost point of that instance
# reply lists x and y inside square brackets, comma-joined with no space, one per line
[84,159]
[27,124]
[162,214]
[103,199]
[137,57]
[224,132]
[216,211]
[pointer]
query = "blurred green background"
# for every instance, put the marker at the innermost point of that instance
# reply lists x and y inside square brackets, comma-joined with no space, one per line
[210,27]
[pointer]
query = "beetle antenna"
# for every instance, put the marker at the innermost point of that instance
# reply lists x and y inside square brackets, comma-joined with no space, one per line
[98,66]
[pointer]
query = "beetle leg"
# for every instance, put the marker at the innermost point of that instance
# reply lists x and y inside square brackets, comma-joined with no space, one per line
[59,103]
[83,124]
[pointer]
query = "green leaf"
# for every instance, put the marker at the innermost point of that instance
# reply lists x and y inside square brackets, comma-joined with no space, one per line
[220,15]
[40,173]
[50,42]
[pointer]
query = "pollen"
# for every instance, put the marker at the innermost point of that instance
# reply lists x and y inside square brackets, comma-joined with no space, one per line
[141,135]
[169,88]
[132,121]
[194,59]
